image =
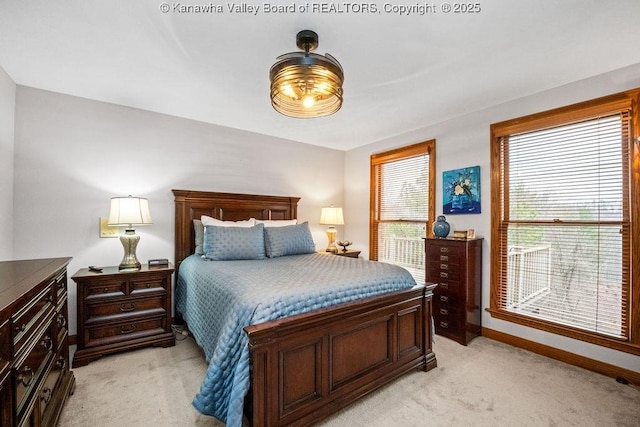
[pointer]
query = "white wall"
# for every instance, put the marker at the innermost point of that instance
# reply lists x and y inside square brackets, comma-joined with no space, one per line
[7,123]
[465,142]
[72,155]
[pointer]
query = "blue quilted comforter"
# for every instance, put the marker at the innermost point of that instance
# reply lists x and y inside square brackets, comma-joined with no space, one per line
[218,298]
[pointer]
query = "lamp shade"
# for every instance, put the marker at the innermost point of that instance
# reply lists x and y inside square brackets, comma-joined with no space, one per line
[129,211]
[331,216]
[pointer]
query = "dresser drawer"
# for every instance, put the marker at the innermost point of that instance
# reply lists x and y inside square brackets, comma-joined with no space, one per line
[449,287]
[52,381]
[437,271]
[5,347]
[27,320]
[99,334]
[446,300]
[123,306]
[30,369]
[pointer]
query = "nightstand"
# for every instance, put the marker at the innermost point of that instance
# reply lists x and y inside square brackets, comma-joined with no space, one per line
[349,253]
[121,310]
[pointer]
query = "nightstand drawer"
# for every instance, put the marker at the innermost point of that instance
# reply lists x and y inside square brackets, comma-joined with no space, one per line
[146,285]
[104,335]
[105,289]
[123,306]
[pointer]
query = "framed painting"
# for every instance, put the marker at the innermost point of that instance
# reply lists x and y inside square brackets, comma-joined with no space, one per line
[461,191]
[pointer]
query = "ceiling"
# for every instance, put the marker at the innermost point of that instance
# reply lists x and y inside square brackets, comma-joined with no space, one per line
[402,72]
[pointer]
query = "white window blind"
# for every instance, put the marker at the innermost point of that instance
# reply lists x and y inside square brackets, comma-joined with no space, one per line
[565,226]
[400,198]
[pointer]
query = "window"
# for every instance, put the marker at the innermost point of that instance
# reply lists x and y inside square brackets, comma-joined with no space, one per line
[564,190]
[402,204]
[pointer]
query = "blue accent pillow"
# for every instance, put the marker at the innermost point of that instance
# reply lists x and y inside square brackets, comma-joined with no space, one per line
[230,243]
[288,240]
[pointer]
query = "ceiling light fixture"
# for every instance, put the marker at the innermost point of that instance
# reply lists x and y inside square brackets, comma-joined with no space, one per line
[304,84]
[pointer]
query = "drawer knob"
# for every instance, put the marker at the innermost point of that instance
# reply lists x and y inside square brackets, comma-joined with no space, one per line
[21,328]
[105,290]
[127,329]
[444,257]
[25,376]
[124,307]
[444,298]
[444,285]
[47,343]
[444,249]
[444,266]
[444,325]
[444,274]
[62,321]
[61,363]
[444,311]
[45,395]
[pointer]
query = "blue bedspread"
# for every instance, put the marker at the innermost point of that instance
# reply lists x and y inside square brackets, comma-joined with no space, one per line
[218,298]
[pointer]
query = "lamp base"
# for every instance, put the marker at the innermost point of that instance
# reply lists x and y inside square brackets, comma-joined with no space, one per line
[129,241]
[331,235]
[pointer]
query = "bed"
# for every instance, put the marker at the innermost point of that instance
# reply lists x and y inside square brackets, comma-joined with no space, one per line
[298,369]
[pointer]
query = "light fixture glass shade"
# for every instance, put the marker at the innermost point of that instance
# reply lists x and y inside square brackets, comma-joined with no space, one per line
[304,84]
[331,216]
[129,211]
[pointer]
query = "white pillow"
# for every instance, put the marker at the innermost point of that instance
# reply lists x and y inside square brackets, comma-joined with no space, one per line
[277,222]
[207,220]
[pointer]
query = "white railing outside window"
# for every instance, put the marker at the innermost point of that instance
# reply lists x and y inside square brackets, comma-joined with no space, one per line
[528,274]
[407,252]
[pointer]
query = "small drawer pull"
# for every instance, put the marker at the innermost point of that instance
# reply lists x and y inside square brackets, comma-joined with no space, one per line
[47,343]
[127,306]
[444,325]
[21,328]
[444,249]
[46,395]
[444,298]
[105,290]
[444,311]
[444,274]
[444,285]
[62,321]
[444,257]
[128,329]
[61,363]
[25,376]
[444,266]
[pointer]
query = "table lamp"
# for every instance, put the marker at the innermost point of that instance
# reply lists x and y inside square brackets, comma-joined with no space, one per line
[331,216]
[129,211]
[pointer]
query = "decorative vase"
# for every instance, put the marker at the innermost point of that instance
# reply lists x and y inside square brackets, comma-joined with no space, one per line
[441,227]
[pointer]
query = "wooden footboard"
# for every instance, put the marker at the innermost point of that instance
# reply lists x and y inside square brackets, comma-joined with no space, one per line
[306,367]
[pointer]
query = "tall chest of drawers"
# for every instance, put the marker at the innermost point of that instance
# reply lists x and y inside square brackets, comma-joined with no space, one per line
[121,310]
[455,265]
[35,379]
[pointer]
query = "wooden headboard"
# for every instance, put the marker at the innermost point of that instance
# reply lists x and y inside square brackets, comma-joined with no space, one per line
[192,205]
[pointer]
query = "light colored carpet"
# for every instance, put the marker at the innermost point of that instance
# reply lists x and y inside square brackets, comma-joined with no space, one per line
[484,384]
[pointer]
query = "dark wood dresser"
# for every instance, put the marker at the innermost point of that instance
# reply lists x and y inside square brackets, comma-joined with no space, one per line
[455,265]
[35,379]
[121,310]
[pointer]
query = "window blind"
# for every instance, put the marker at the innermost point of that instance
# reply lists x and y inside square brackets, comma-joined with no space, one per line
[401,194]
[564,224]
